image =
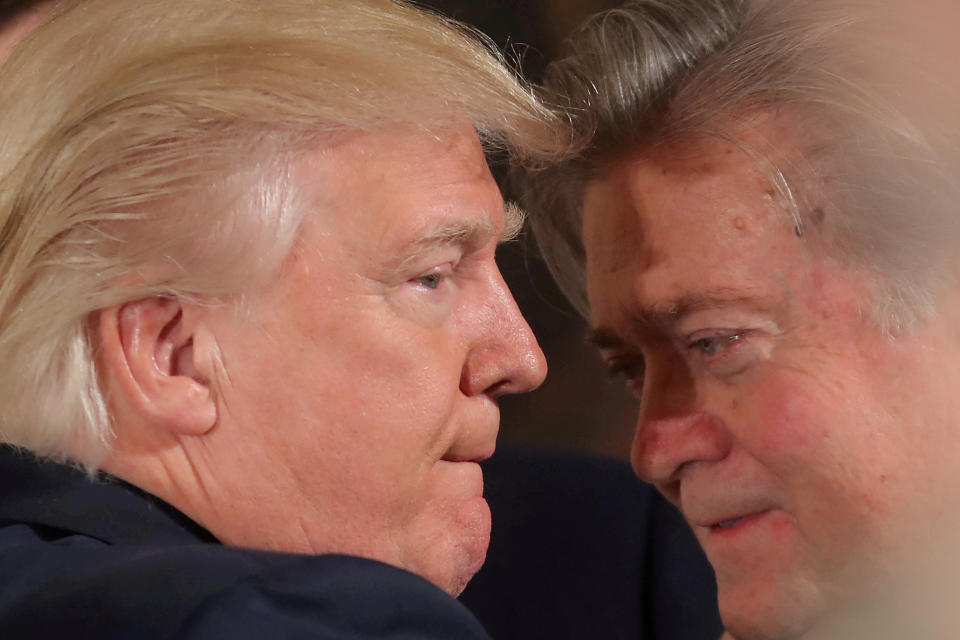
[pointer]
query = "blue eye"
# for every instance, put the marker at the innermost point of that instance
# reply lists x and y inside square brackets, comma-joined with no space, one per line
[431,280]
[713,345]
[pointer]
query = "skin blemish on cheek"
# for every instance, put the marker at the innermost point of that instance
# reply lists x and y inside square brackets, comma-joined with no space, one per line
[739,224]
[818,215]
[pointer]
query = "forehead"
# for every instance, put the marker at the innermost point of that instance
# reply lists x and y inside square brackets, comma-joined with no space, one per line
[386,185]
[396,146]
[700,218]
[449,155]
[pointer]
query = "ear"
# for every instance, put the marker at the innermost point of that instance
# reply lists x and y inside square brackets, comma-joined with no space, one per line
[149,347]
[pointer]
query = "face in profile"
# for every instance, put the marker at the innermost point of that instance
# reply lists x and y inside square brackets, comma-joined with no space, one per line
[799,440]
[362,390]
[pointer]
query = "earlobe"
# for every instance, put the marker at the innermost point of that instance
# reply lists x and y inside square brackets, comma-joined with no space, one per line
[149,350]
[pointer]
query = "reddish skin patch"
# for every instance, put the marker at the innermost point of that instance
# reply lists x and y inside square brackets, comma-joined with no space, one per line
[739,224]
[790,419]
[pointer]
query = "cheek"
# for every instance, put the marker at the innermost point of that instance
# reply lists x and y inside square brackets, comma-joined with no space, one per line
[817,437]
[380,393]
[836,461]
[781,423]
[380,360]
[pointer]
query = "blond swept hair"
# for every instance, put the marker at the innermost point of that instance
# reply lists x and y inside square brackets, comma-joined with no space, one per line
[880,141]
[145,148]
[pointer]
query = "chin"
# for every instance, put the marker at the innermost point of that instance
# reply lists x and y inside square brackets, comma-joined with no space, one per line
[465,548]
[770,612]
[455,579]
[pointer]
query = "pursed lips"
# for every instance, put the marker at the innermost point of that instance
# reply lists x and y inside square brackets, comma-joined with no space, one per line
[473,450]
[474,443]
[469,457]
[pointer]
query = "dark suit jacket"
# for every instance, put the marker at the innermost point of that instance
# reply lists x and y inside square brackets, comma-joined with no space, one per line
[582,549]
[104,560]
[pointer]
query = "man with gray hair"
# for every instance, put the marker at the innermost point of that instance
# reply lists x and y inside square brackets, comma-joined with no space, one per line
[247,271]
[760,223]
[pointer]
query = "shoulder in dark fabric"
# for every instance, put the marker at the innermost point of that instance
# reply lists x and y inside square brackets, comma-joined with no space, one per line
[583,549]
[104,560]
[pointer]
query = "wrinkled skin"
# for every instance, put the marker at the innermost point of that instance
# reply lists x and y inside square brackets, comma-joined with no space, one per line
[361,390]
[799,441]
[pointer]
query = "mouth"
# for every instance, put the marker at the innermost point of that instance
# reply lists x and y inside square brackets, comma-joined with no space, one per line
[475,454]
[728,524]
[731,523]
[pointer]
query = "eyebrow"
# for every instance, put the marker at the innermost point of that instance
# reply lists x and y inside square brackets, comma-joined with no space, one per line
[464,232]
[665,315]
[513,217]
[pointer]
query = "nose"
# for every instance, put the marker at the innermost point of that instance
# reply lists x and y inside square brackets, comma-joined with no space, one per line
[672,431]
[505,357]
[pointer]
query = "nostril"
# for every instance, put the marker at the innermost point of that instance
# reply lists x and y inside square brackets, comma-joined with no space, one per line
[498,389]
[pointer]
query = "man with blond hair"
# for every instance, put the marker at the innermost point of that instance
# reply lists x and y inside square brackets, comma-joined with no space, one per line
[247,277]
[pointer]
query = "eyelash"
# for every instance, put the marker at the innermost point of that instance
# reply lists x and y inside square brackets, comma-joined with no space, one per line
[431,281]
[628,367]
[435,278]
[719,342]
[632,367]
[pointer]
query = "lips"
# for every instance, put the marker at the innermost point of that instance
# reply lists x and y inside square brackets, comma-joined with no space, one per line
[473,442]
[726,524]
[477,452]
[718,512]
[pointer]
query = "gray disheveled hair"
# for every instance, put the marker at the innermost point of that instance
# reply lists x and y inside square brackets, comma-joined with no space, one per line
[879,164]
[145,148]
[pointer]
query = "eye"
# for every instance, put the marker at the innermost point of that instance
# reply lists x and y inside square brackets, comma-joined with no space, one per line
[431,280]
[434,278]
[729,353]
[713,345]
[629,367]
